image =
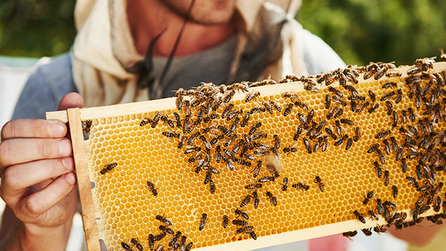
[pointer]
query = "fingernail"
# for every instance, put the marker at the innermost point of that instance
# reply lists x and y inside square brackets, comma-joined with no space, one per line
[57,130]
[64,148]
[69,177]
[66,163]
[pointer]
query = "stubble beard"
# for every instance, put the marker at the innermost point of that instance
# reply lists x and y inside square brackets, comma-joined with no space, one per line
[205,12]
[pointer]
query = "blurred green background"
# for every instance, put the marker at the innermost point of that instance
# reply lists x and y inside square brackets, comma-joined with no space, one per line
[360,31]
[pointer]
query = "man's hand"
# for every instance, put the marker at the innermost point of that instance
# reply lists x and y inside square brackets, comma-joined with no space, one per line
[38,180]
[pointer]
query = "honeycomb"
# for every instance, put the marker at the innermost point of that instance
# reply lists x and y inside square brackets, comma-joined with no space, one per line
[338,179]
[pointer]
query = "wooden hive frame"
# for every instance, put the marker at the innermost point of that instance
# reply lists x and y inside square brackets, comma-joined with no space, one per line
[75,117]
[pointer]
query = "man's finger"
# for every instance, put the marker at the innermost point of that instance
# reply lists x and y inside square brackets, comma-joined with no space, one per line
[18,151]
[30,208]
[71,100]
[33,128]
[19,177]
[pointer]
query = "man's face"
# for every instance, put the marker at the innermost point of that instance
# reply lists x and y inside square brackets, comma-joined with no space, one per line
[207,12]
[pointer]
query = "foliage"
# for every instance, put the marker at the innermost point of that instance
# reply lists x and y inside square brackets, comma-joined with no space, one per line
[36,28]
[360,31]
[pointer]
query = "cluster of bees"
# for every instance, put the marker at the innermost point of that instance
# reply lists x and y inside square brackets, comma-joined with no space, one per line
[176,242]
[422,143]
[241,142]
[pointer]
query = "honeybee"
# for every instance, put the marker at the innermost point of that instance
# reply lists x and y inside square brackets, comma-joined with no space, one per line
[245,119]
[387,146]
[393,74]
[242,214]
[350,234]
[203,220]
[341,140]
[307,145]
[189,246]
[167,121]
[228,97]
[246,200]
[290,95]
[339,100]
[372,215]
[381,156]
[155,119]
[256,200]
[251,95]
[253,186]
[319,183]
[389,84]
[159,237]
[271,198]
[152,188]
[275,105]
[378,169]
[288,109]
[174,239]
[238,222]
[136,243]
[357,134]
[386,178]
[399,96]
[268,107]
[159,248]
[353,105]
[299,130]
[86,125]
[183,243]
[366,231]
[379,229]
[228,162]
[338,113]
[368,197]
[413,70]
[379,206]
[373,108]
[382,134]
[266,179]
[276,141]
[388,96]
[362,106]
[332,112]
[171,134]
[253,129]
[151,242]
[411,114]
[442,56]
[300,186]
[327,101]
[225,221]
[165,229]
[163,220]
[285,184]
[145,121]
[394,191]
[289,150]
[389,106]
[359,217]
[108,168]
[349,143]
[212,187]
[336,91]
[125,246]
